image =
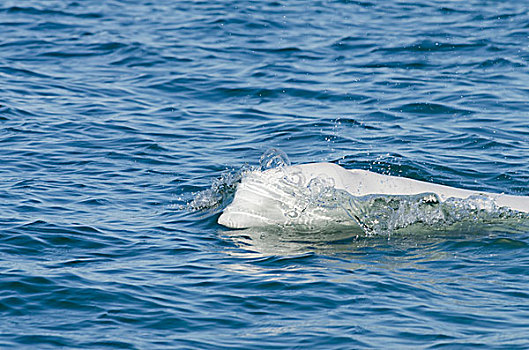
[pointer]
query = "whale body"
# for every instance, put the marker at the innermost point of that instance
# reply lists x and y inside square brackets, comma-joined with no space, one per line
[291,195]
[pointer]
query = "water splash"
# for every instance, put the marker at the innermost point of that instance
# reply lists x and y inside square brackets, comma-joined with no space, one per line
[223,188]
[220,193]
[384,214]
[273,158]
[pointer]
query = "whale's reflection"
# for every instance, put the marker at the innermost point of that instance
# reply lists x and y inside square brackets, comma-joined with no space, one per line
[325,258]
[414,245]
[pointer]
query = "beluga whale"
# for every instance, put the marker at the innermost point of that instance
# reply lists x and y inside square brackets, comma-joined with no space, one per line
[317,194]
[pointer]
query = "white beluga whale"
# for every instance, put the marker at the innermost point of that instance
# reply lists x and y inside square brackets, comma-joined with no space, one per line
[322,193]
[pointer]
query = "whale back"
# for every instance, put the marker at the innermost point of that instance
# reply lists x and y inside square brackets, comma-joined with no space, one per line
[323,193]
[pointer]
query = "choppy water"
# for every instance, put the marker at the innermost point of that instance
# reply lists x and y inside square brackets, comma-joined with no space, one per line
[115,114]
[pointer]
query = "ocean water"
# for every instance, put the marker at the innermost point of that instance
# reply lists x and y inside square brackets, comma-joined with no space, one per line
[125,126]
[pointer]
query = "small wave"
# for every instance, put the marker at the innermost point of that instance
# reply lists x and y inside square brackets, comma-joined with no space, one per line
[351,43]
[499,62]
[433,46]
[355,123]
[268,93]
[49,12]
[431,108]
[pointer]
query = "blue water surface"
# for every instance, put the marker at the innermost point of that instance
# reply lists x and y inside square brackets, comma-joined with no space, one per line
[116,114]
